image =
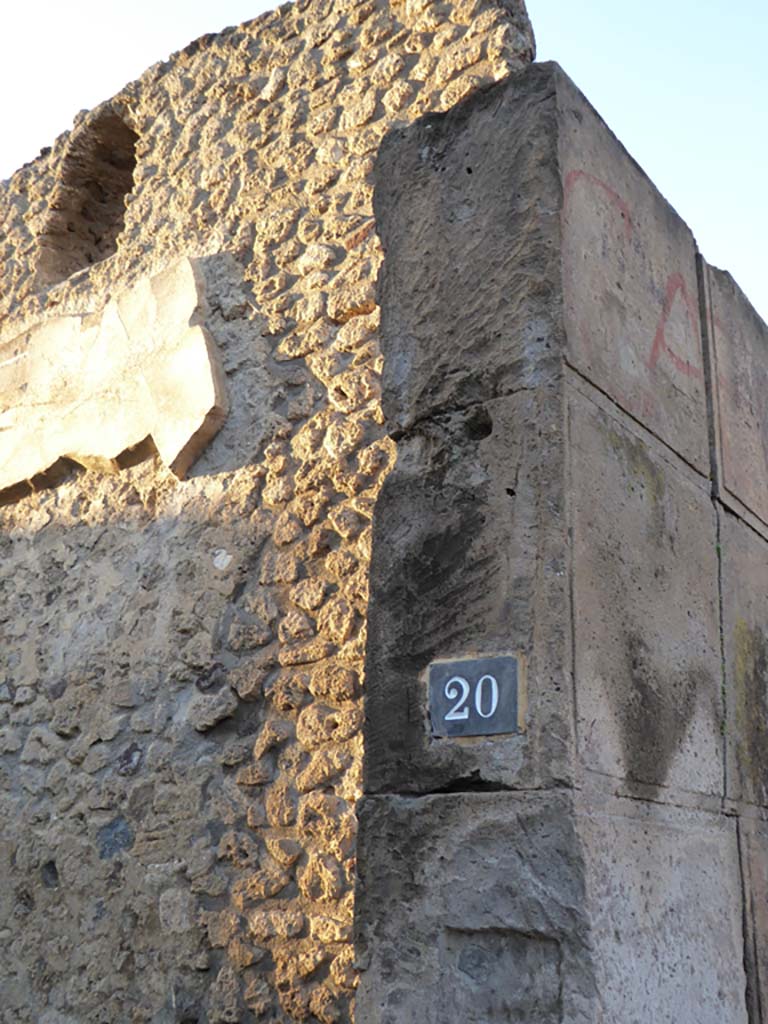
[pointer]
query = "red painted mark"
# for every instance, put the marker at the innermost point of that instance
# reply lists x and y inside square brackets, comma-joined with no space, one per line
[572,177]
[675,284]
[720,329]
[718,323]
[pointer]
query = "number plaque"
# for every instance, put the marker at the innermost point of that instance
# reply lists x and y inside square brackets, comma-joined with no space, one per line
[476,696]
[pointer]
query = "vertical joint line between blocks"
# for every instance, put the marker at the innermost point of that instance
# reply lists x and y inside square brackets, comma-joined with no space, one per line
[570,522]
[752,999]
[721,635]
[707,359]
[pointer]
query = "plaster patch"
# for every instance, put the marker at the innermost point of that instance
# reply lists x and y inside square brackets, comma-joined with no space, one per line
[89,387]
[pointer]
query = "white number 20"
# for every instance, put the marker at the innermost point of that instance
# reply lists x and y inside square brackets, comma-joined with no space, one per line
[457,688]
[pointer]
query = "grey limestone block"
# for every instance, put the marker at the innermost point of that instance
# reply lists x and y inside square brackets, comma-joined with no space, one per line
[525,247]
[739,359]
[745,636]
[645,605]
[468,560]
[549,907]
[629,280]
[467,209]
[664,897]
[518,231]
[472,908]
[469,533]
[545,381]
[754,866]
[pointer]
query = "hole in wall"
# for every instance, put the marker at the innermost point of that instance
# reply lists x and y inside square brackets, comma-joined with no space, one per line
[50,874]
[87,210]
[478,423]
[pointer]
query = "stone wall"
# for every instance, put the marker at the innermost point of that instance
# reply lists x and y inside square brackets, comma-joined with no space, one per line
[485,398]
[180,688]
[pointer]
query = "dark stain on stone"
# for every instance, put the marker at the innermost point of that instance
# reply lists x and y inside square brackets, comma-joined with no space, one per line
[50,874]
[643,472]
[129,762]
[212,678]
[478,423]
[654,712]
[24,904]
[750,679]
[114,837]
[442,555]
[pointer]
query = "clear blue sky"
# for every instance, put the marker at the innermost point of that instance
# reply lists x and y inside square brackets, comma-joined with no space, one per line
[683,83]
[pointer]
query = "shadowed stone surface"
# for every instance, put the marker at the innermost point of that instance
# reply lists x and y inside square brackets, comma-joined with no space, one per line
[664,897]
[473,908]
[645,609]
[740,370]
[88,388]
[754,862]
[468,547]
[523,907]
[745,632]
[467,550]
[467,209]
[544,381]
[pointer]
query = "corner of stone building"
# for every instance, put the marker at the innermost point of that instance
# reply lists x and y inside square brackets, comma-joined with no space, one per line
[470,558]
[645,644]
[468,210]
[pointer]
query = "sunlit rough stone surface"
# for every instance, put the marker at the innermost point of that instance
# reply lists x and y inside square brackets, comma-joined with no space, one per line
[89,387]
[180,687]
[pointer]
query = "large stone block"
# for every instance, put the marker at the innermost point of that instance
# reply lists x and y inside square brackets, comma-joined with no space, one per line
[740,372]
[469,559]
[472,908]
[754,858]
[467,207]
[745,632]
[88,388]
[629,282]
[493,212]
[664,895]
[518,907]
[648,679]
